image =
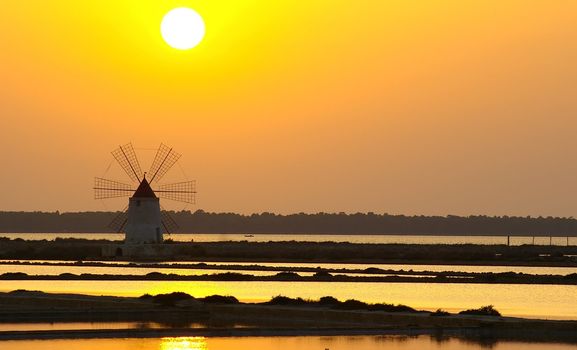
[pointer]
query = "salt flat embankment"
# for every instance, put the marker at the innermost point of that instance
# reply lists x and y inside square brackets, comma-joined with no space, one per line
[465,254]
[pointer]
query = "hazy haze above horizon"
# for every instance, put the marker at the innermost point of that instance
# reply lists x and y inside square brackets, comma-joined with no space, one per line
[414,107]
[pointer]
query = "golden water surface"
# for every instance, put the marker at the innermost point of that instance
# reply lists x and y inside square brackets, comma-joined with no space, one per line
[278,343]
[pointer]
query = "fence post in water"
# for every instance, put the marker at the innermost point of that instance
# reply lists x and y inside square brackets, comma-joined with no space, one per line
[508,240]
[533,240]
[550,240]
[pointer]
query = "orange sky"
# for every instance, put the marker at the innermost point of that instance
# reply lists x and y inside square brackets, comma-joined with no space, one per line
[416,107]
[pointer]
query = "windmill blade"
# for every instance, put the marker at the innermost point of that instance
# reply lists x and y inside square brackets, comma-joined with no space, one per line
[180,191]
[104,188]
[168,223]
[163,161]
[119,221]
[126,157]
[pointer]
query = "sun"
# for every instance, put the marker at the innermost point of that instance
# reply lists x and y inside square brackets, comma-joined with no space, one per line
[182,28]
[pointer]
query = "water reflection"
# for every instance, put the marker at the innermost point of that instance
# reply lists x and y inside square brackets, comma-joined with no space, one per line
[387,342]
[184,343]
[485,342]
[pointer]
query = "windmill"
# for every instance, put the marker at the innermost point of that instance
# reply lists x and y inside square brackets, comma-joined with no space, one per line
[143,221]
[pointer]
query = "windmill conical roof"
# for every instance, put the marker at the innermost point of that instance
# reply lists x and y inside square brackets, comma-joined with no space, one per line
[144,190]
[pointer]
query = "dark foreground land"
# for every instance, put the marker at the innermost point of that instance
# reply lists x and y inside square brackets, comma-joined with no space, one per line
[467,254]
[225,316]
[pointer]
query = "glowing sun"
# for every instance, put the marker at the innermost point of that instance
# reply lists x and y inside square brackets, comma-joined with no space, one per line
[182,28]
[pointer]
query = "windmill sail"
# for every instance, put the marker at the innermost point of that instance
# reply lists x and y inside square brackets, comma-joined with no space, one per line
[180,191]
[126,157]
[163,161]
[119,221]
[104,188]
[168,223]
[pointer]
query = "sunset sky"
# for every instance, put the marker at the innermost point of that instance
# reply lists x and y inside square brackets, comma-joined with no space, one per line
[413,107]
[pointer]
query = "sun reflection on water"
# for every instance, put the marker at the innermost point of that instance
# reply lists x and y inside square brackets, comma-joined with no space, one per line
[184,343]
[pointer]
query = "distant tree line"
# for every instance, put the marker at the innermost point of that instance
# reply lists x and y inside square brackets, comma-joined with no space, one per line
[319,223]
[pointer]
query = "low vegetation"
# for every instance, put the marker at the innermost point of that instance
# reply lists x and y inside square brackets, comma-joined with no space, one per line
[488,310]
[173,299]
[333,303]
[220,299]
[439,312]
[170,299]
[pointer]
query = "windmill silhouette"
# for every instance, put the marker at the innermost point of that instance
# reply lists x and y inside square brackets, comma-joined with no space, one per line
[143,220]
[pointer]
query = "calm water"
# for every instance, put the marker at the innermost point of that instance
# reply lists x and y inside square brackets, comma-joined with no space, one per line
[409,239]
[532,301]
[277,343]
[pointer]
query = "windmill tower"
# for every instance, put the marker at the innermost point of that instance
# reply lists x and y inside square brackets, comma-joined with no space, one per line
[143,221]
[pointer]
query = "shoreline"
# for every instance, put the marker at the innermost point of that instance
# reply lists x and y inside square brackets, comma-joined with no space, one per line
[224,272]
[443,278]
[138,262]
